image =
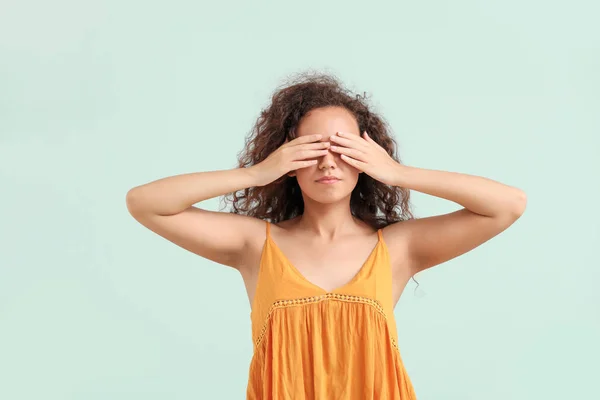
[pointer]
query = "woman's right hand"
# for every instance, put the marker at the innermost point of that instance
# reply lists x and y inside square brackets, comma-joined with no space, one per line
[295,154]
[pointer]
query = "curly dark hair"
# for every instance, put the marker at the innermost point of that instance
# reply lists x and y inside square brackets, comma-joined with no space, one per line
[371,201]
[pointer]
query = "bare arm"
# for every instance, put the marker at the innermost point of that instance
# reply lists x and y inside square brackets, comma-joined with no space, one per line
[165,206]
[489,207]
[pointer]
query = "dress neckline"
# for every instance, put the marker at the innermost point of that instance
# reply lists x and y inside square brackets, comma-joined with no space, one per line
[296,271]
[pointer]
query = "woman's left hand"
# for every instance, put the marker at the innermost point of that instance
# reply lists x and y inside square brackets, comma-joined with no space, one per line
[367,156]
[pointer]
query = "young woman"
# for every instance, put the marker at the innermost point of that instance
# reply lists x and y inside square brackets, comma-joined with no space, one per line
[322,234]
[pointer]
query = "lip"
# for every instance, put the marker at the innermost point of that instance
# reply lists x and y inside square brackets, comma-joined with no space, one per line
[328,179]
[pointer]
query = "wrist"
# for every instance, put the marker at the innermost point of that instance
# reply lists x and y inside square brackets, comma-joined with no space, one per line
[254,175]
[400,174]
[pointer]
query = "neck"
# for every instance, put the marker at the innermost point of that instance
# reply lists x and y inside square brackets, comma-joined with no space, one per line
[327,221]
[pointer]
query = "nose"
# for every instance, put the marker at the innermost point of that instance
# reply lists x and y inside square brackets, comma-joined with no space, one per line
[328,161]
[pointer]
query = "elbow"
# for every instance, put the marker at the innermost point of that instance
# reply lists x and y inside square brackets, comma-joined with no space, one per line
[133,202]
[519,204]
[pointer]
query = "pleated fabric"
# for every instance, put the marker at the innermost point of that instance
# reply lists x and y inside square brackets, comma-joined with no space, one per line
[310,343]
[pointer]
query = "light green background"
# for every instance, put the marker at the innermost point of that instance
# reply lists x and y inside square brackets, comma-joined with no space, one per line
[97,97]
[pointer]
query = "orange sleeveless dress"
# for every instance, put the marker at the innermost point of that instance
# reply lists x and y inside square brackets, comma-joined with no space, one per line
[310,343]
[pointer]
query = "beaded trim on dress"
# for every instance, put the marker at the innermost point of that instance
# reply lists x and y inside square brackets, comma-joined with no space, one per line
[316,299]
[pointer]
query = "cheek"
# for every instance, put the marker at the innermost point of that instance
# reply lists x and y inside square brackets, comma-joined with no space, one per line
[305,174]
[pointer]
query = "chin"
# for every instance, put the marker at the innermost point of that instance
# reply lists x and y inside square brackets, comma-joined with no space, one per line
[325,194]
[325,198]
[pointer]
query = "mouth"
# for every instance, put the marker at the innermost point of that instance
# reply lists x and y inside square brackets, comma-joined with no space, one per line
[328,180]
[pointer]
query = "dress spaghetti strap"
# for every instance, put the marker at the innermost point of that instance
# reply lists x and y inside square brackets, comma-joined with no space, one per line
[308,340]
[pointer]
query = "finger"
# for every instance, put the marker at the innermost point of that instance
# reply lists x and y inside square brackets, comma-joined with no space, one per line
[304,139]
[351,136]
[303,164]
[304,154]
[353,162]
[370,140]
[354,153]
[314,146]
[349,140]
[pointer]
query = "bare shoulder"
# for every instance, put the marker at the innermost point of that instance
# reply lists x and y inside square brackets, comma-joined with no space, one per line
[225,238]
[285,227]
[395,236]
[419,244]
